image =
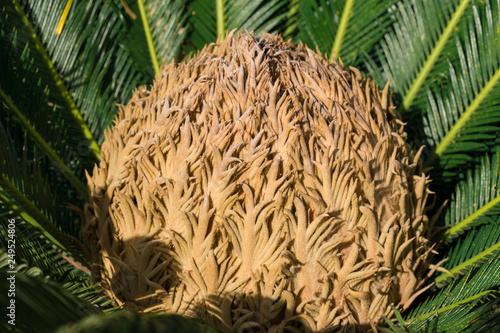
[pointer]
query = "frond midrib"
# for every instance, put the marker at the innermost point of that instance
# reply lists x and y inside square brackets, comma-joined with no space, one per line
[342,29]
[458,228]
[220,17]
[474,260]
[449,307]
[420,78]
[149,37]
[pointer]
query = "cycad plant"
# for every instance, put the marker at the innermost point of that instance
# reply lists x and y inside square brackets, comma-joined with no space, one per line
[64,65]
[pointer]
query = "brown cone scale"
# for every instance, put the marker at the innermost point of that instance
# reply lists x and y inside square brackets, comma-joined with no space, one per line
[260,188]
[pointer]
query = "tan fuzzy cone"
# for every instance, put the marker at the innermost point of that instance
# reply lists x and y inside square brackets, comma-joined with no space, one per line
[260,188]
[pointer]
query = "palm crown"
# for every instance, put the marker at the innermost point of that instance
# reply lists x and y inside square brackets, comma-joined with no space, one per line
[60,81]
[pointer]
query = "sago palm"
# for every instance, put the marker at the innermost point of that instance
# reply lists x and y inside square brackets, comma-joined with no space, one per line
[65,65]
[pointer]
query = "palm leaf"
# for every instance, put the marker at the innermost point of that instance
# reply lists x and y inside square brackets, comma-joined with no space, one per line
[159,27]
[26,193]
[479,245]
[90,75]
[410,55]
[289,26]
[37,251]
[475,203]
[18,17]
[6,262]
[466,116]
[460,304]
[345,29]
[211,19]
[452,114]
[477,200]
[21,89]
[42,306]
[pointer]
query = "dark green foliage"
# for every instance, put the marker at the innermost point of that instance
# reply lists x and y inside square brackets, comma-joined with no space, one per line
[58,95]
[461,303]
[368,22]
[41,306]
[125,322]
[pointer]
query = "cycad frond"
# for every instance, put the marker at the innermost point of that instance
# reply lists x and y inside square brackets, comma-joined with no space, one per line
[458,306]
[453,115]
[169,27]
[51,59]
[210,19]
[419,38]
[155,33]
[6,264]
[467,115]
[346,29]
[477,200]
[26,192]
[37,251]
[84,81]
[37,256]
[26,102]
[479,245]
[45,305]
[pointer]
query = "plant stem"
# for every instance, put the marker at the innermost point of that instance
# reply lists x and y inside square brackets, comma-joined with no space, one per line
[339,37]
[149,37]
[221,23]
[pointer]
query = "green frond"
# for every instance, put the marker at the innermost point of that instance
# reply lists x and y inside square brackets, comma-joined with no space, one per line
[91,293]
[345,29]
[461,304]
[36,256]
[45,305]
[154,37]
[19,19]
[479,245]
[411,55]
[169,28]
[258,15]
[37,251]
[475,201]
[290,24]
[84,81]
[489,323]
[132,322]
[6,265]
[25,192]
[401,328]
[475,204]
[20,90]
[462,119]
